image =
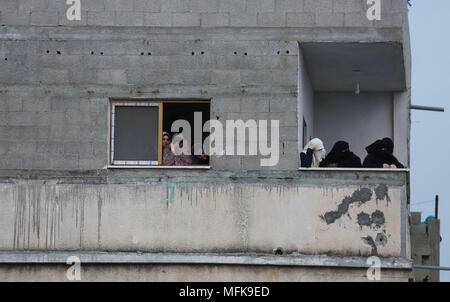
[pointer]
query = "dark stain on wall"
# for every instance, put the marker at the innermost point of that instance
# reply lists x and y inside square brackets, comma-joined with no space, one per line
[362,195]
[381,192]
[369,240]
[364,219]
[376,218]
[380,239]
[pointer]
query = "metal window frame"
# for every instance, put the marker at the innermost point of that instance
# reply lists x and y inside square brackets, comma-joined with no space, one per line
[114,104]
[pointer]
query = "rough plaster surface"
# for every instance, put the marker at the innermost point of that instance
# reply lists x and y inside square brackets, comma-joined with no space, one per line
[237,215]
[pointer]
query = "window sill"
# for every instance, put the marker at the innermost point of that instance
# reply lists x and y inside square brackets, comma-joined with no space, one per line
[355,169]
[161,167]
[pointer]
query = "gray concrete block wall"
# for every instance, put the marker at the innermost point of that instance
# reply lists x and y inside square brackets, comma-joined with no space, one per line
[425,247]
[51,132]
[56,76]
[72,113]
[203,13]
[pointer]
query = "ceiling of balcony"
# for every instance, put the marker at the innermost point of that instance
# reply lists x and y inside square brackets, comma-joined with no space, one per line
[331,66]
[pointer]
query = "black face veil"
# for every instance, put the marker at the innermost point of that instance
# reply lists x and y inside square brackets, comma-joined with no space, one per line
[376,146]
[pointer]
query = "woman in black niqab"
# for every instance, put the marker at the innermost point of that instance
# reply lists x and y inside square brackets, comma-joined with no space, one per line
[341,157]
[380,155]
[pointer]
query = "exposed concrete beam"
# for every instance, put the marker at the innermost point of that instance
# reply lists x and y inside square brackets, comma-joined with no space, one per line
[171,258]
[393,177]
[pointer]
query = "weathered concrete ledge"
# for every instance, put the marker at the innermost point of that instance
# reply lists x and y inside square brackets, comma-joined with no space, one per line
[199,177]
[190,258]
[348,213]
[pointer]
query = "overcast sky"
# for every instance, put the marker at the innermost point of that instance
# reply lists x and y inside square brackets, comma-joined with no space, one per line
[430,131]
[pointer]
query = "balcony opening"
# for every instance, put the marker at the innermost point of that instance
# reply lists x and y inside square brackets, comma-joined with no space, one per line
[353,92]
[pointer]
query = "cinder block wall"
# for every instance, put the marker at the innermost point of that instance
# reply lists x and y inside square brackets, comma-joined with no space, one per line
[56,76]
[203,13]
[425,247]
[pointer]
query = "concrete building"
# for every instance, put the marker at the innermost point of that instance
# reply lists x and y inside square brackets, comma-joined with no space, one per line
[425,247]
[63,192]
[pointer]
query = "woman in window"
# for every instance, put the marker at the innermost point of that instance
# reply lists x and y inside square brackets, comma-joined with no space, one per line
[312,154]
[180,147]
[168,158]
[341,157]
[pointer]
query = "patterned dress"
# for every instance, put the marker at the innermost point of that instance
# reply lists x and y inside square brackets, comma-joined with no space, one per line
[170,159]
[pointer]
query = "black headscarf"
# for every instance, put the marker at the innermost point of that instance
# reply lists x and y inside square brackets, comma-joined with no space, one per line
[388,145]
[378,145]
[379,153]
[340,156]
[337,150]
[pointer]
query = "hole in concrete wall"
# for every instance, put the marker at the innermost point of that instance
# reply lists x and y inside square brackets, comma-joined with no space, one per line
[278,52]
[101,53]
[381,239]
[58,52]
[245,53]
[142,53]
[287,52]
[149,53]
[92,52]
[193,53]
[278,251]
[202,52]
[6,59]
[235,52]
[48,51]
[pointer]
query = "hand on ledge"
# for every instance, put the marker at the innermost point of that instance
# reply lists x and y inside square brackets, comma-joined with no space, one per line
[387,166]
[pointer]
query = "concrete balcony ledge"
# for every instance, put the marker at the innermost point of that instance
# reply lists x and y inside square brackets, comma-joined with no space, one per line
[199,177]
[317,211]
[348,213]
[119,267]
[197,258]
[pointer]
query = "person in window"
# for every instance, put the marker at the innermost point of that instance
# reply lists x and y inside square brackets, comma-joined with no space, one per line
[312,154]
[168,157]
[180,148]
[199,156]
[341,157]
[380,155]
